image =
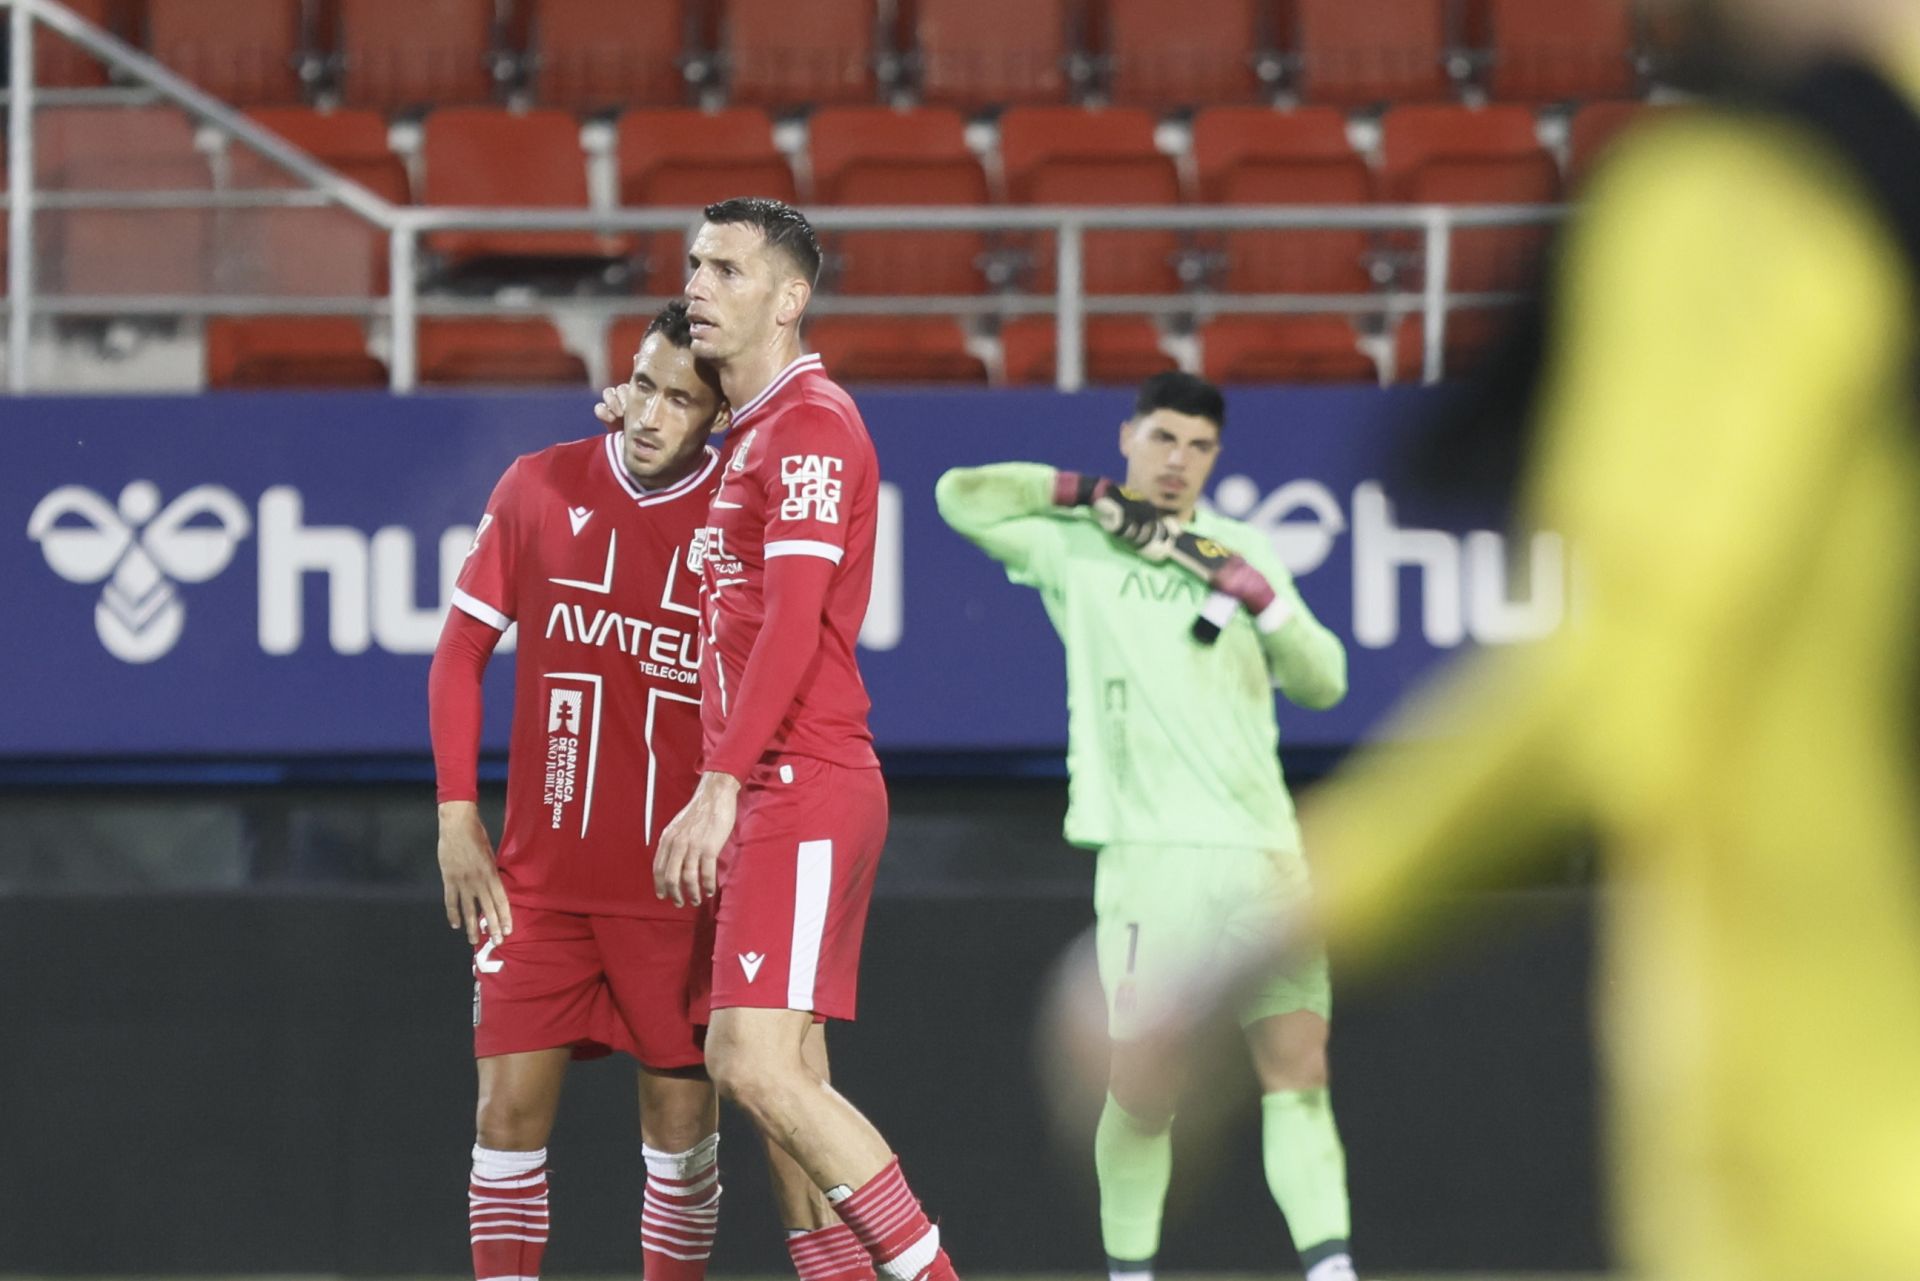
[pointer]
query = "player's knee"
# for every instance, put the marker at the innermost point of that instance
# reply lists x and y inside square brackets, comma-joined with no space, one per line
[676,1131]
[746,1075]
[1147,1087]
[1301,1068]
[674,1120]
[1148,1111]
[509,1124]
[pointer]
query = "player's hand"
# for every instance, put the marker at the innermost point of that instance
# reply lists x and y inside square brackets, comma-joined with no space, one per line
[1135,521]
[1126,515]
[686,867]
[612,409]
[470,883]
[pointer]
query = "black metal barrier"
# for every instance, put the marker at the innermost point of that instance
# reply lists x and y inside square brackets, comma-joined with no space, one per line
[260,1082]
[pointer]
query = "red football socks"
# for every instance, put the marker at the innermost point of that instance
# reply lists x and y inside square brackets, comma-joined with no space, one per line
[507,1214]
[830,1254]
[888,1220]
[682,1210]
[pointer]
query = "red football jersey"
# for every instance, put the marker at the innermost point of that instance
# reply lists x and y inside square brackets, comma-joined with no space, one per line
[800,479]
[605,747]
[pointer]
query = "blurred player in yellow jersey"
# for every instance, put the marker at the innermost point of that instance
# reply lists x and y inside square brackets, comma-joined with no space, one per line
[1727,435]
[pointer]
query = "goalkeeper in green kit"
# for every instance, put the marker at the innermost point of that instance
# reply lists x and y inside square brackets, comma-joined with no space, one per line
[1175,781]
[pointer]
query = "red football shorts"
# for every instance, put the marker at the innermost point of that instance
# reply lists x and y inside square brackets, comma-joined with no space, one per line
[593,983]
[795,881]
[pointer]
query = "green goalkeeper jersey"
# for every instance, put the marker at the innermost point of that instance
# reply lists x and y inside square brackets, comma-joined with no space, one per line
[1169,741]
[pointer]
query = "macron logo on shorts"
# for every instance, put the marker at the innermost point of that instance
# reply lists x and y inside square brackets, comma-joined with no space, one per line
[751,963]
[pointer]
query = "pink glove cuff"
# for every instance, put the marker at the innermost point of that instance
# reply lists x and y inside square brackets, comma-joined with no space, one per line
[1072,489]
[1245,583]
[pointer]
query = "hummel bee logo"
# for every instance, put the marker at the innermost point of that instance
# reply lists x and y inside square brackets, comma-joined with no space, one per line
[751,962]
[143,552]
[578,517]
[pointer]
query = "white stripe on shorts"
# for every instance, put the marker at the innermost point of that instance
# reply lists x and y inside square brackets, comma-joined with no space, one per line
[812,887]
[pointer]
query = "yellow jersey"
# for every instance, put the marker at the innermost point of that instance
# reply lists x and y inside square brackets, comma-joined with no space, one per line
[1728,440]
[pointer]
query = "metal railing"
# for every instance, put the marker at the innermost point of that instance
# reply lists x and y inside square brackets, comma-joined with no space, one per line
[405,226]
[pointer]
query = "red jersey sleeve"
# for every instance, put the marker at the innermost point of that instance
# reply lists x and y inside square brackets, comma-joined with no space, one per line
[809,475]
[796,594]
[454,707]
[486,588]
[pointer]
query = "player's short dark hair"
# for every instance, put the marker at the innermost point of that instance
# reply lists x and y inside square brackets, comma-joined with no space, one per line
[672,322]
[785,228]
[673,325]
[1183,393]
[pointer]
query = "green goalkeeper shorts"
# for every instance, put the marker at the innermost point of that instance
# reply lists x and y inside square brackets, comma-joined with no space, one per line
[1170,915]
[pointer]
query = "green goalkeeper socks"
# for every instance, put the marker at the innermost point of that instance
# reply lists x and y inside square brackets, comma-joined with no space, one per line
[1135,1165]
[1306,1167]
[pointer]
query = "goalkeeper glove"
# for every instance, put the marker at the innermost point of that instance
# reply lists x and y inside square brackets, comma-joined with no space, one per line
[1121,512]
[1236,585]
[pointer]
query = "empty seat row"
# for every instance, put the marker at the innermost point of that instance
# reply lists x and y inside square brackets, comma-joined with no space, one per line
[684,158]
[1121,350]
[592,55]
[332,351]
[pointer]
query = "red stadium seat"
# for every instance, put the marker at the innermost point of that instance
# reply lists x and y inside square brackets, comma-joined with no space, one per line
[1472,336]
[352,143]
[1165,55]
[879,156]
[1357,52]
[1253,156]
[488,156]
[1121,351]
[1595,128]
[1412,136]
[1067,156]
[1284,349]
[246,51]
[58,63]
[400,56]
[1289,348]
[592,54]
[778,54]
[1314,261]
[654,142]
[981,53]
[1492,258]
[312,252]
[290,351]
[624,337]
[1461,156]
[1549,50]
[687,158]
[111,251]
[1226,137]
[479,353]
[844,137]
[895,349]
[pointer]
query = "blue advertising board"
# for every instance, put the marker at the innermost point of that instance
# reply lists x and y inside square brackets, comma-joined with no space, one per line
[245,576]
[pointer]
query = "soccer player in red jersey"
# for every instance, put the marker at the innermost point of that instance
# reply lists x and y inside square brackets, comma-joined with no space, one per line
[586,546]
[784,831]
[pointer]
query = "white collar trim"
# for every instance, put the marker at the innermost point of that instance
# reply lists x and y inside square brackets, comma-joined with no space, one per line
[651,497]
[804,363]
